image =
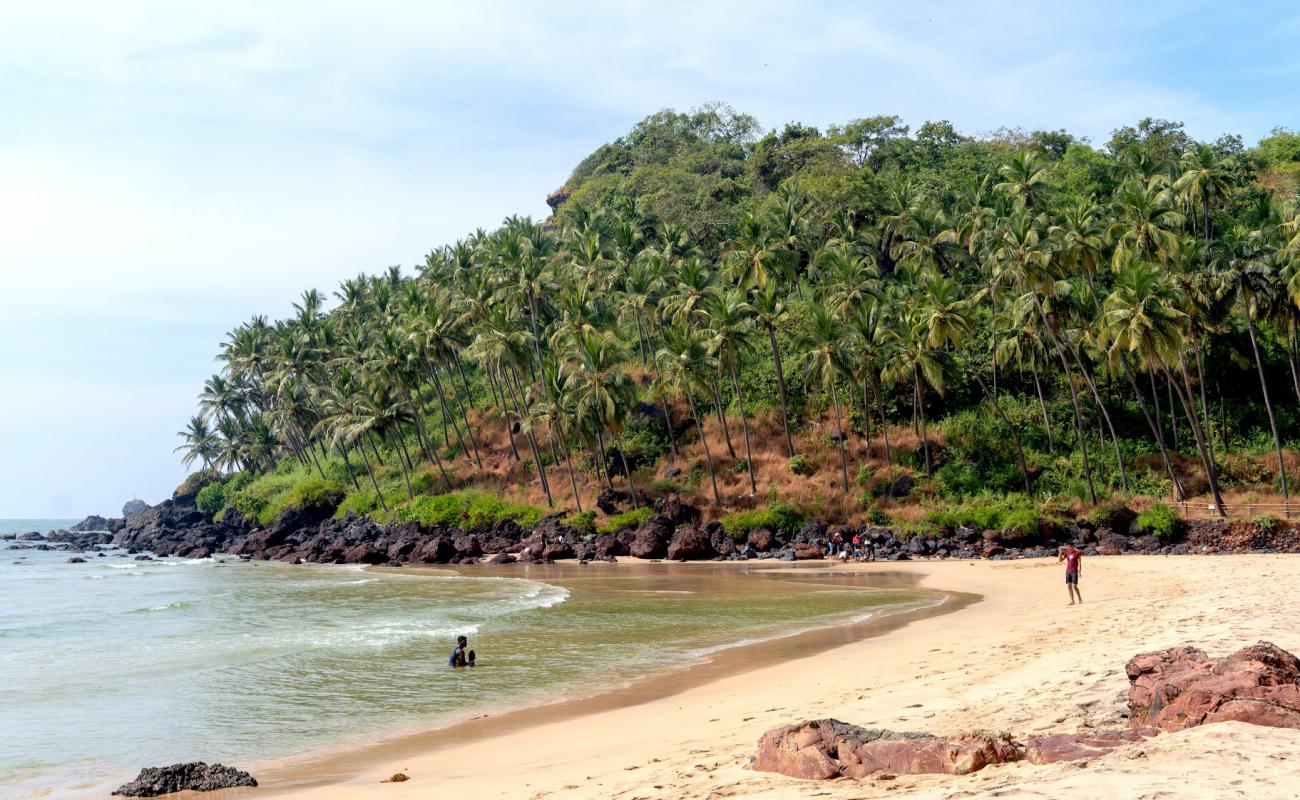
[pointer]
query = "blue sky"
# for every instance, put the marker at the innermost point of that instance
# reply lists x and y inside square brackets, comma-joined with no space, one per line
[170,169]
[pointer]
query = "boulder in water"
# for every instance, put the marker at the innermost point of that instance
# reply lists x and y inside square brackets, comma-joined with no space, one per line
[132,506]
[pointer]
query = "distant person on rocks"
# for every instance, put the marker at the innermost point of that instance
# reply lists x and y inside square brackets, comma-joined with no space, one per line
[857,547]
[1071,556]
[837,543]
[461,656]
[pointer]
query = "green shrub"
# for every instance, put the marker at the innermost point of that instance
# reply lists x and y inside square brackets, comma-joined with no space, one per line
[739,468]
[211,499]
[196,481]
[315,494]
[877,516]
[584,523]
[800,464]
[1013,514]
[470,511]
[259,498]
[1267,524]
[628,519]
[1160,521]
[778,518]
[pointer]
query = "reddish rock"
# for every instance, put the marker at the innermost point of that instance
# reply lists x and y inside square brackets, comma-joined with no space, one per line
[805,551]
[761,539]
[828,748]
[608,545]
[651,538]
[1077,746]
[678,510]
[1183,687]
[690,544]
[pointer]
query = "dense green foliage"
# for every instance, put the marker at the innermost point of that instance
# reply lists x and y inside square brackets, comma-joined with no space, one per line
[1159,520]
[1048,317]
[777,517]
[628,519]
[211,499]
[471,511]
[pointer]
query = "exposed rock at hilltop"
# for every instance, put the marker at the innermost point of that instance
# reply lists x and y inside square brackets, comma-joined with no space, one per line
[196,776]
[1182,687]
[556,198]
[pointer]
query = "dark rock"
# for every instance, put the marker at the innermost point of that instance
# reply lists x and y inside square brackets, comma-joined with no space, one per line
[434,550]
[93,522]
[144,557]
[31,536]
[691,544]
[75,560]
[651,538]
[607,545]
[901,487]
[806,551]
[761,539]
[611,501]
[672,472]
[195,776]
[678,510]
[502,558]
[1183,687]
[467,545]
[556,198]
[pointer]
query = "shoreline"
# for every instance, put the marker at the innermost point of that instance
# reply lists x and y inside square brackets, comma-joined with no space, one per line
[1018,660]
[336,765]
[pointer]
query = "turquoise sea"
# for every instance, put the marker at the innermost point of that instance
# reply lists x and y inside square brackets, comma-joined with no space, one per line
[116,664]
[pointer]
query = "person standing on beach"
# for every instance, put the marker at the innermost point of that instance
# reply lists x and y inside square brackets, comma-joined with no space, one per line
[1072,557]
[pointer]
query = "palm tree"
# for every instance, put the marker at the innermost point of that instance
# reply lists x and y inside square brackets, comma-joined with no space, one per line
[1205,179]
[684,364]
[200,444]
[731,320]
[825,360]
[771,312]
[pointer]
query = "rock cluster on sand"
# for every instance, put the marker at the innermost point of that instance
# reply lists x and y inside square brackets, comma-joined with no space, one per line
[1169,690]
[1183,687]
[196,776]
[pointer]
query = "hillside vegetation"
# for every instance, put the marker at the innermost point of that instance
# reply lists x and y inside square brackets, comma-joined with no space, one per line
[863,323]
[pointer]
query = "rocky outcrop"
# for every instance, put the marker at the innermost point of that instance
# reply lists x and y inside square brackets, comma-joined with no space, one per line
[827,748]
[556,198]
[1182,687]
[94,522]
[195,776]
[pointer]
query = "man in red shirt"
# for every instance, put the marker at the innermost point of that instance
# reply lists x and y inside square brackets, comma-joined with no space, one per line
[1071,556]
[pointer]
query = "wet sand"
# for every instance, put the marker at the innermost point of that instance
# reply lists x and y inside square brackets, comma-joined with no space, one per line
[1020,661]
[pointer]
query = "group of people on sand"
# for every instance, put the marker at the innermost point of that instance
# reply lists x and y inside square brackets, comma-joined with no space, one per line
[860,548]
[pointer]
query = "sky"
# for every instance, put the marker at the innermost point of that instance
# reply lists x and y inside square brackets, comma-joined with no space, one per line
[170,169]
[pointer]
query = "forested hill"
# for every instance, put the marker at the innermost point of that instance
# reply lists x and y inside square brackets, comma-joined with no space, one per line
[861,322]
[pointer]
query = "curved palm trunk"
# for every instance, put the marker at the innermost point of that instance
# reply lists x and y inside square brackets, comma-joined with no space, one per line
[839,430]
[884,423]
[446,414]
[722,415]
[1042,407]
[744,425]
[1179,492]
[1268,406]
[627,471]
[347,465]
[919,406]
[1189,410]
[780,382]
[602,464]
[1015,434]
[404,461]
[717,498]
[464,415]
[1074,400]
[568,460]
[513,387]
[429,452]
[371,472]
[668,423]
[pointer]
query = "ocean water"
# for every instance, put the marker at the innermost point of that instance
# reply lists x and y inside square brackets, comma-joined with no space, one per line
[116,664]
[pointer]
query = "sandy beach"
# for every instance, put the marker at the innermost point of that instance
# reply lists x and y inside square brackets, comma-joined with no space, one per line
[1018,660]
